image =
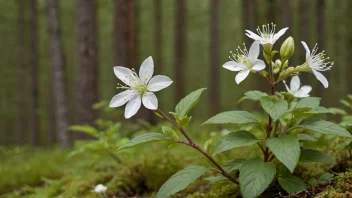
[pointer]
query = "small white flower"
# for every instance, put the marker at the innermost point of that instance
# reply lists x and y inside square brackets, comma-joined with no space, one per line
[245,61]
[295,88]
[100,188]
[139,88]
[317,62]
[267,34]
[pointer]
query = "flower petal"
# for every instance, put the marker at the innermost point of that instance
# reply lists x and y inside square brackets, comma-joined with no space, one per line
[150,101]
[122,98]
[133,106]
[158,83]
[321,78]
[253,35]
[287,88]
[241,76]
[280,33]
[258,65]
[307,49]
[125,75]
[234,66]
[303,91]
[146,70]
[295,83]
[254,51]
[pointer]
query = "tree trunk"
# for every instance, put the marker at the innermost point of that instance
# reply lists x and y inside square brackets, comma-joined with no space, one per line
[249,16]
[180,50]
[271,11]
[132,36]
[34,82]
[320,17]
[21,75]
[120,32]
[59,74]
[87,50]
[303,19]
[158,36]
[286,14]
[214,97]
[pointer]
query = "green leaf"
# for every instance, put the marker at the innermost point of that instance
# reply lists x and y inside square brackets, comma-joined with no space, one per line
[292,184]
[214,179]
[233,165]
[235,140]
[253,95]
[207,144]
[311,155]
[85,129]
[274,106]
[325,127]
[180,180]
[337,111]
[255,177]
[286,149]
[318,110]
[310,102]
[232,117]
[144,138]
[169,132]
[188,102]
[325,178]
[306,137]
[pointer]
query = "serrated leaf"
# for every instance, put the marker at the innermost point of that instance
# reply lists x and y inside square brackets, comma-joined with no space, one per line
[325,178]
[233,165]
[235,140]
[180,180]
[325,127]
[188,102]
[311,155]
[274,106]
[144,138]
[253,95]
[255,177]
[310,102]
[214,179]
[292,184]
[306,137]
[286,149]
[232,117]
[318,110]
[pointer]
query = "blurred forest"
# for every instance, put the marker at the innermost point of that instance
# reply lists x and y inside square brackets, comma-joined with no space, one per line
[58,56]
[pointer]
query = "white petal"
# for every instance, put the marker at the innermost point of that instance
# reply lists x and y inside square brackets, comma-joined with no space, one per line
[233,66]
[150,101]
[254,51]
[133,106]
[125,75]
[280,33]
[287,88]
[158,83]
[147,69]
[295,83]
[321,78]
[258,65]
[241,76]
[122,98]
[307,49]
[303,91]
[252,35]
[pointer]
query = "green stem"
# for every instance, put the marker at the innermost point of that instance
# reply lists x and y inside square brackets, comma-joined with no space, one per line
[194,145]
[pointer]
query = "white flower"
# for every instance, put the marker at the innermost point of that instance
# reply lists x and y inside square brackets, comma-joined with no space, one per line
[267,35]
[100,188]
[317,62]
[245,61]
[139,88]
[296,90]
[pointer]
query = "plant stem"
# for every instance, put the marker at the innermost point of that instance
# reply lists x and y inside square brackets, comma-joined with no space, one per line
[197,147]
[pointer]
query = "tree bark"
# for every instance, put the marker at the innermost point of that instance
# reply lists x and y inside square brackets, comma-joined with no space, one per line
[271,11]
[87,50]
[249,16]
[214,93]
[58,73]
[320,17]
[303,25]
[132,34]
[21,77]
[120,32]
[180,50]
[158,36]
[34,82]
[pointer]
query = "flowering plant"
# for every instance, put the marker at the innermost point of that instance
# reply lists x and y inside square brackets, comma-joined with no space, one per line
[289,118]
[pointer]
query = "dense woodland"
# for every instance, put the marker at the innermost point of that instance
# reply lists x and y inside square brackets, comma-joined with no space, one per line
[57,56]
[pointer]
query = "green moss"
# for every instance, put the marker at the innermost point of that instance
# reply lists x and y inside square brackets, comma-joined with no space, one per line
[342,187]
[222,189]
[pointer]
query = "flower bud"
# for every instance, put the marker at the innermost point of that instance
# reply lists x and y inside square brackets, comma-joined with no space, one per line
[287,48]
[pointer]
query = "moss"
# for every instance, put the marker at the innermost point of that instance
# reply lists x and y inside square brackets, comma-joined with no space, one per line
[342,187]
[222,189]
